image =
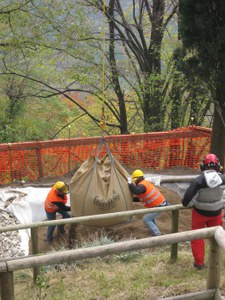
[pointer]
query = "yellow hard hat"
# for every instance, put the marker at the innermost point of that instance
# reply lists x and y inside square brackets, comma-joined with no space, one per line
[61,187]
[136,174]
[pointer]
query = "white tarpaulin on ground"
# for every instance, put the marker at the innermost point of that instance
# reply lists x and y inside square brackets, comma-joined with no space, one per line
[27,205]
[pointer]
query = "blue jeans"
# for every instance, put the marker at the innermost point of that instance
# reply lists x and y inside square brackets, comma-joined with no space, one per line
[150,222]
[52,216]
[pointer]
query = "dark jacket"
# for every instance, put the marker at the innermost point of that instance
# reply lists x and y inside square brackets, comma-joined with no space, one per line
[206,193]
[147,193]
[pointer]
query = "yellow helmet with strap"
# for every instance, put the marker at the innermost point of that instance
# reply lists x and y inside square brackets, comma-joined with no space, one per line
[136,174]
[61,187]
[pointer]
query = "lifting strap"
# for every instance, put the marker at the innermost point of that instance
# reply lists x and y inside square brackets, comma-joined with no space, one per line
[102,143]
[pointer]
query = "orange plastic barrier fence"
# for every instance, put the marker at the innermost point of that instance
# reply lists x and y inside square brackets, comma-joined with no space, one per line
[183,147]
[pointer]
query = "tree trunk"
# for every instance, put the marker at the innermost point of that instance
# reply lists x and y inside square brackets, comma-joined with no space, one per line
[218,128]
[115,74]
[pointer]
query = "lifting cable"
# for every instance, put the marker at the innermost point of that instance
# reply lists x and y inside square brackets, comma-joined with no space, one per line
[96,152]
[103,119]
[103,123]
[102,143]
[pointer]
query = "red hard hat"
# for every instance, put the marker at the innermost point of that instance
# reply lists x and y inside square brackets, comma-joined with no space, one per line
[210,159]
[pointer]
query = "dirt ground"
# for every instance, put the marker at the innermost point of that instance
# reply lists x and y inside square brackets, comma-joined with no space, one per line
[134,229]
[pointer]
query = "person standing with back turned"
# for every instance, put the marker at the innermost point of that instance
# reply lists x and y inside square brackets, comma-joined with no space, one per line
[150,197]
[205,196]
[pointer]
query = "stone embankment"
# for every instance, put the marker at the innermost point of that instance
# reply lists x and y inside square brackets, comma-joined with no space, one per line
[10,242]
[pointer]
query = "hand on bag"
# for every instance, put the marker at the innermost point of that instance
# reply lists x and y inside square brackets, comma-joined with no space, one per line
[129,180]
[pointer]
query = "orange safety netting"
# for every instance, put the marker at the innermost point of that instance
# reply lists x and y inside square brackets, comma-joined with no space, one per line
[182,147]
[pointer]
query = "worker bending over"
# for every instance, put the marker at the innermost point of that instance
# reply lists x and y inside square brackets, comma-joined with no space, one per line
[150,197]
[55,202]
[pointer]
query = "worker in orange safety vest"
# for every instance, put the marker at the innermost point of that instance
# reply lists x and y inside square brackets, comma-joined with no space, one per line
[55,202]
[149,196]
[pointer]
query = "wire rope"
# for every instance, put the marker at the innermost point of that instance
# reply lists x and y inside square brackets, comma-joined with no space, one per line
[103,32]
[102,141]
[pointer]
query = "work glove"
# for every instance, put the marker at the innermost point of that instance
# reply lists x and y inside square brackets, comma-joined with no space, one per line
[129,180]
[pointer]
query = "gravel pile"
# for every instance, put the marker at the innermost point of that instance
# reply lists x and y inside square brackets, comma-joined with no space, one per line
[10,242]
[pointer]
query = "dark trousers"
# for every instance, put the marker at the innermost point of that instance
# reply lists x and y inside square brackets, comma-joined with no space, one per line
[52,216]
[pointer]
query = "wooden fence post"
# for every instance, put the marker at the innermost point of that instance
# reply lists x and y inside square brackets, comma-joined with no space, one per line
[7,267]
[174,247]
[7,286]
[213,276]
[40,165]
[34,241]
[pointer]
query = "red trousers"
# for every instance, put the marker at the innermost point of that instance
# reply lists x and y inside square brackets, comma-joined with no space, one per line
[199,221]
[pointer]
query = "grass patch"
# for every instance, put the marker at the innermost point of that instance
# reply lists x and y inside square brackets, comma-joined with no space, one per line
[135,275]
[138,275]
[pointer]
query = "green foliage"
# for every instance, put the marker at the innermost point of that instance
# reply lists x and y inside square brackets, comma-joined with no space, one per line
[103,240]
[42,283]
[128,256]
[203,22]
[30,123]
[23,275]
[150,275]
[47,43]
[53,47]
[202,28]
[190,97]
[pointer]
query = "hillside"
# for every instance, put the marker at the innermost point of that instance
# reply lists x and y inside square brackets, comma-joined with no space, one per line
[144,275]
